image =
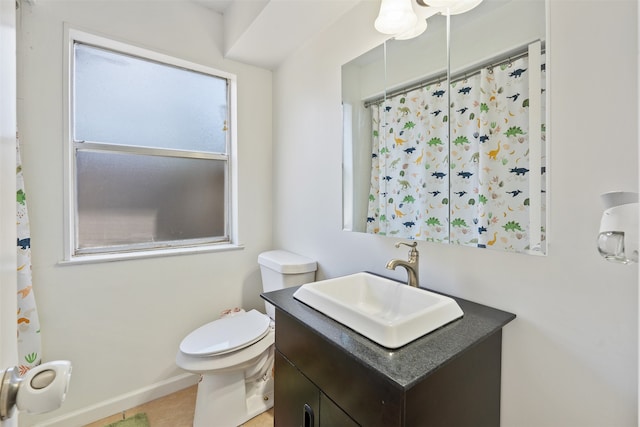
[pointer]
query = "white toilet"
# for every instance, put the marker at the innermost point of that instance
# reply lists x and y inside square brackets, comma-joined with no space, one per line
[234,354]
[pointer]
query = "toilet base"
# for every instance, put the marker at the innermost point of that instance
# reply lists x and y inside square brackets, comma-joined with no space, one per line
[227,400]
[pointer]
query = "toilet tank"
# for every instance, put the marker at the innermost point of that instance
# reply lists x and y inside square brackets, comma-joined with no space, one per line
[281,269]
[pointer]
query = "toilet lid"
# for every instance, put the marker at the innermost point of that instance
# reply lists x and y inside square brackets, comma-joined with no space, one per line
[226,334]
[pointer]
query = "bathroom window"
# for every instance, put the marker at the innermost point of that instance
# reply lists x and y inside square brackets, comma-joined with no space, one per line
[150,151]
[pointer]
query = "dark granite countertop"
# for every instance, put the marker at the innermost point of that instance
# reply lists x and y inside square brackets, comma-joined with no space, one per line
[411,363]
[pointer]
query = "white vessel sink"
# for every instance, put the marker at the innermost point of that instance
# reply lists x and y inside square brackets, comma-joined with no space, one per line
[387,312]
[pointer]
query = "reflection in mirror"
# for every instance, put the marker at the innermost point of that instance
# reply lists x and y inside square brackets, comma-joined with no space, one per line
[366,82]
[460,162]
[498,123]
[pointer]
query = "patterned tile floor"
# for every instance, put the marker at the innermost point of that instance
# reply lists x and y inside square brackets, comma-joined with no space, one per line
[176,410]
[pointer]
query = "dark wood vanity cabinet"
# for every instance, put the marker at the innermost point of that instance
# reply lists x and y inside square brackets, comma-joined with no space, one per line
[302,403]
[328,375]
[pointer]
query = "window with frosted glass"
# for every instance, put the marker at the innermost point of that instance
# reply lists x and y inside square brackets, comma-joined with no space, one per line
[151,158]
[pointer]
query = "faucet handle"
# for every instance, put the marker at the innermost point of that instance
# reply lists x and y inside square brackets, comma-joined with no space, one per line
[413,252]
[411,245]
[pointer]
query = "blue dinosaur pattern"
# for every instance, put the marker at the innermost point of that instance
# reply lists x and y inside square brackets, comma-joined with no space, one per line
[519,171]
[24,243]
[518,73]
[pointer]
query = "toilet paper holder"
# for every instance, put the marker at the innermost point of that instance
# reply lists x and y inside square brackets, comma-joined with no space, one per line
[41,389]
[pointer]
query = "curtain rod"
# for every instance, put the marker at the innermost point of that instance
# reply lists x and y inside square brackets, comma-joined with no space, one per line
[467,72]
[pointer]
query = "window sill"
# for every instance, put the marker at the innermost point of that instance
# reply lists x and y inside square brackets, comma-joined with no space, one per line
[93,259]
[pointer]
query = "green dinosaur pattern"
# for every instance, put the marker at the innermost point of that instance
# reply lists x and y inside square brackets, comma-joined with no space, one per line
[408,199]
[433,221]
[21,197]
[462,139]
[512,226]
[435,142]
[514,131]
[459,222]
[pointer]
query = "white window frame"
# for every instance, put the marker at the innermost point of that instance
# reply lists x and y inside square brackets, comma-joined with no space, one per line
[73,35]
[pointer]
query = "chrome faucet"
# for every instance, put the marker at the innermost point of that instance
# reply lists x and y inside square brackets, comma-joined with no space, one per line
[411,265]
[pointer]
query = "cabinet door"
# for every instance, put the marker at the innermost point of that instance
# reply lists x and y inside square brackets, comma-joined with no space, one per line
[296,399]
[332,415]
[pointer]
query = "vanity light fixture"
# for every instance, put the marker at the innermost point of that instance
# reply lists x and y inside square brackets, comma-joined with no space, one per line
[406,19]
[395,17]
[618,238]
[421,24]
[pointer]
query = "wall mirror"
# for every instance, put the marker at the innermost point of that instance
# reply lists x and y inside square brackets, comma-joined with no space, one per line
[445,134]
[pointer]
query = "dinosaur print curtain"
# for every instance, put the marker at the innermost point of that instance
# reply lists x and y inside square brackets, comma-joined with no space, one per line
[29,345]
[409,185]
[478,191]
[490,158]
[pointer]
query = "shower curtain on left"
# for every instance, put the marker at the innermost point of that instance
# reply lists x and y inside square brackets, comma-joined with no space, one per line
[29,345]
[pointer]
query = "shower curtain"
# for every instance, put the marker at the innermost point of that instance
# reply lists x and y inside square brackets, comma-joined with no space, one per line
[29,345]
[409,179]
[496,174]
[480,190]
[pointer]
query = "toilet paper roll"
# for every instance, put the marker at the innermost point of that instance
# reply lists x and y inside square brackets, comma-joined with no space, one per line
[44,387]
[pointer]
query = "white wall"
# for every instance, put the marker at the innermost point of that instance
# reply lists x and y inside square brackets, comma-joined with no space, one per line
[570,357]
[120,323]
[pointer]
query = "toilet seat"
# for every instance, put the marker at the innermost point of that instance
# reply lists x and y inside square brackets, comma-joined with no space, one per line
[226,335]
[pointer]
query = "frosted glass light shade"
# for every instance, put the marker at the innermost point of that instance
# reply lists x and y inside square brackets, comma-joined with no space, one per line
[396,16]
[421,24]
[415,31]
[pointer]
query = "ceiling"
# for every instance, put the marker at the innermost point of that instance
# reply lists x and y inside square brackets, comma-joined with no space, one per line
[265,32]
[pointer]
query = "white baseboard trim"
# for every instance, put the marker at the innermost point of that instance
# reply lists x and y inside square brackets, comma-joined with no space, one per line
[123,402]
